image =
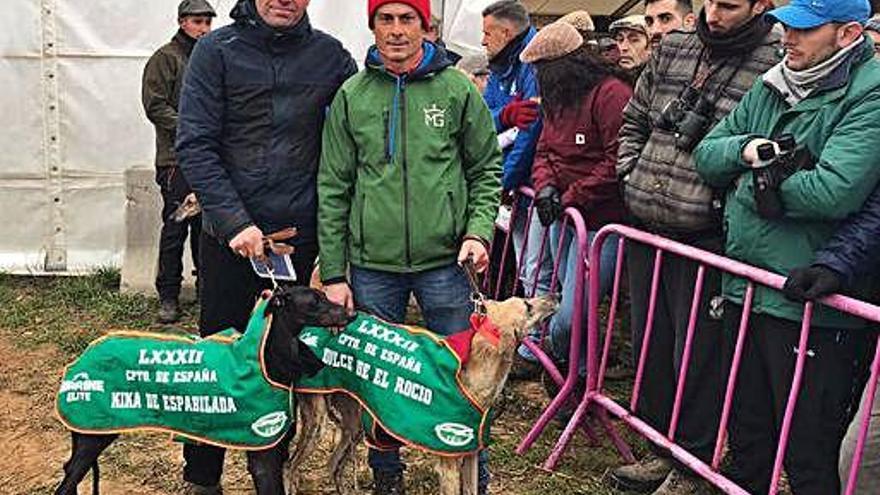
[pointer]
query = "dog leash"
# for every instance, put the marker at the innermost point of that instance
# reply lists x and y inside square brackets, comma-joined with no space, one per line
[477,296]
[480,319]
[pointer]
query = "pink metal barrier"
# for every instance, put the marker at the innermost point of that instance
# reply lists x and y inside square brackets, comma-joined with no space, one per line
[595,404]
[567,382]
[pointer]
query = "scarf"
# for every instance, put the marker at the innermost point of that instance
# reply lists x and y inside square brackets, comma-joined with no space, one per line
[796,86]
[741,41]
[508,55]
[186,41]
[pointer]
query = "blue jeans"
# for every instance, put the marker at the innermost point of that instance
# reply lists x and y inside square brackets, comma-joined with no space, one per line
[532,264]
[559,335]
[543,265]
[444,296]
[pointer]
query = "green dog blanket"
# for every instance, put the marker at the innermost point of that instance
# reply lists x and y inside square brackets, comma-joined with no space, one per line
[407,379]
[212,390]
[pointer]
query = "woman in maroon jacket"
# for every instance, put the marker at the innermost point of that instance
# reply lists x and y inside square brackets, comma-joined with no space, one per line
[582,99]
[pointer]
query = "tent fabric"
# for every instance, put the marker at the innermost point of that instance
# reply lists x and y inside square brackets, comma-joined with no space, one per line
[73,123]
[72,119]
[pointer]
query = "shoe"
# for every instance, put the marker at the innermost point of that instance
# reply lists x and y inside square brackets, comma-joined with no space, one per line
[678,483]
[388,483]
[194,489]
[169,311]
[644,476]
[523,369]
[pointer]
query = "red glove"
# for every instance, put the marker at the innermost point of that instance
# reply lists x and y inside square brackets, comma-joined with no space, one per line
[520,113]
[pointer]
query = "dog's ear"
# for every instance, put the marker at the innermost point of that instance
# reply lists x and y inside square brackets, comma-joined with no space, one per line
[277,300]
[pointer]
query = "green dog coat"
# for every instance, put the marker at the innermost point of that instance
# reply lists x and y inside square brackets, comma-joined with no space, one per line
[213,390]
[407,379]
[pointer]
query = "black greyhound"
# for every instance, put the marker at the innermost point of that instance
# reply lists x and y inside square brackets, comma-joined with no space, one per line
[292,308]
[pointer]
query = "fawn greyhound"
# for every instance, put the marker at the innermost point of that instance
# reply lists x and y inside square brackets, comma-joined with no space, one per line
[483,375]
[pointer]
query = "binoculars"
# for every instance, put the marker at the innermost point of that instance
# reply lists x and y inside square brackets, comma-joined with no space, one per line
[689,117]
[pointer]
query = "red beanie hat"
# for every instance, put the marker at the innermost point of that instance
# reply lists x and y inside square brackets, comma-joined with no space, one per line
[423,7]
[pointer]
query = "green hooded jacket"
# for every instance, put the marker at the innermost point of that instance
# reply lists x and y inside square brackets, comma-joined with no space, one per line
[838,124]
[410,167]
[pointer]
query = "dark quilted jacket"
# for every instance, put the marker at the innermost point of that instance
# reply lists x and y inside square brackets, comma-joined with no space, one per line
[251,115]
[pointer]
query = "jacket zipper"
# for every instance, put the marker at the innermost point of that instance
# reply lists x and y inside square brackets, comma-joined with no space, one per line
[401,87]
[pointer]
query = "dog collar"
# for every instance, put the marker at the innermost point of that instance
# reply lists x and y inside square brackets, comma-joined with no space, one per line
[484,326]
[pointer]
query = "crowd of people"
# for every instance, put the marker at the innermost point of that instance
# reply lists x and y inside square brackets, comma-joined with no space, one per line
[741,129]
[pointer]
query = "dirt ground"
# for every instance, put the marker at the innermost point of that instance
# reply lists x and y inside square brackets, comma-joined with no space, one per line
[43,325]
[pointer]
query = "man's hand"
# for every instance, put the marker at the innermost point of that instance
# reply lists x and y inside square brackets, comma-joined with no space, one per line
[248,243]
[340,293]
[475,248]
[811,283]
[549,205]
[750,152]
[520,113]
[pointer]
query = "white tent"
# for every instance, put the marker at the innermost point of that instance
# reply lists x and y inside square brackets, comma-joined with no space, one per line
[72,119]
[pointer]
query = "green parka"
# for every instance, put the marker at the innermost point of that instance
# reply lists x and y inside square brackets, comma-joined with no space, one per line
[410,167]
[838,124]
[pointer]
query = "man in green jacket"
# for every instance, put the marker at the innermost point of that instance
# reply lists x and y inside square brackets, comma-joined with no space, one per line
[826,94]
[408,186]
[160,93]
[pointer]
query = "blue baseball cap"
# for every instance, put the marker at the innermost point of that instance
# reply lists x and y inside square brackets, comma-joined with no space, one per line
[808,14]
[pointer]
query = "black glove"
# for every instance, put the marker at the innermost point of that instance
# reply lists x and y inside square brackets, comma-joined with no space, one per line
[549,205]
[811,283]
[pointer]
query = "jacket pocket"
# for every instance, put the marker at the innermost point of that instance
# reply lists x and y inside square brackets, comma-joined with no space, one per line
[356,225]
[454,233]
[361,225]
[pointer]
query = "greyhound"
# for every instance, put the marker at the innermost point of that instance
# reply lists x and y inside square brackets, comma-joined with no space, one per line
[484,376]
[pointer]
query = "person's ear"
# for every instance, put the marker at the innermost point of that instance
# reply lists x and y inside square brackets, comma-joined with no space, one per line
[690,20]
[849,34]
[759,8]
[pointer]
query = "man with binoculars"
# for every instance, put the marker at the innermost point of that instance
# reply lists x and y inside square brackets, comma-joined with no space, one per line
[826,96]
[691,83]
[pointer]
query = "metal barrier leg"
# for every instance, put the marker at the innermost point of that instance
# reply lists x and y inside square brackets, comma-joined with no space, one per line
[734,370]
[579,243]
[792,399]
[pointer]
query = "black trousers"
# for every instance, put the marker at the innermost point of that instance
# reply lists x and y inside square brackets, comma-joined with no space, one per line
[701,403]
[824,406]
[174,189]
[229,288]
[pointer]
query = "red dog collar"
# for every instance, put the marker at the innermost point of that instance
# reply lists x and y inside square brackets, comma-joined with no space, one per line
[483,326]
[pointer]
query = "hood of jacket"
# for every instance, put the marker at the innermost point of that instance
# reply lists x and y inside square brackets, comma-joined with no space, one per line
[433,61]
[244,13]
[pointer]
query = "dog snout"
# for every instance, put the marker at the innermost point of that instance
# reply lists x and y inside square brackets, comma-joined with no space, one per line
[552,298]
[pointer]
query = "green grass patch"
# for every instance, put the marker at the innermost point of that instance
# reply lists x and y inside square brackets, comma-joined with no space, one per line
[70,312]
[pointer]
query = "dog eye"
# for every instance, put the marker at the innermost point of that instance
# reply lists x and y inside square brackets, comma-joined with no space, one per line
[528,307]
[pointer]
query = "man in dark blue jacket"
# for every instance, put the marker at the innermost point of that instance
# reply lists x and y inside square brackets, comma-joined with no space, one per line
[251,115]
[852,254]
